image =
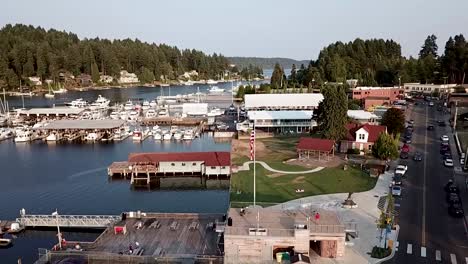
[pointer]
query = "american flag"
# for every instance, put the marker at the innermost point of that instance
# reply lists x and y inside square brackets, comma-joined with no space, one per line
[252,142]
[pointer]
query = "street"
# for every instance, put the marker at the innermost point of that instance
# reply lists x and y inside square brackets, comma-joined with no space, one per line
[428,234]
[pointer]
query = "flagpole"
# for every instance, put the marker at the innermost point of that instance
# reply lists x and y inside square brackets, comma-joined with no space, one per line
[255,170]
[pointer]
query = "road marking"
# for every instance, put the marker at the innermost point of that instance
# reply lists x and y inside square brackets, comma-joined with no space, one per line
[453,258]
[409,249]
[423,226]
[396,245]
[423,252]
[438,256]
[466,259]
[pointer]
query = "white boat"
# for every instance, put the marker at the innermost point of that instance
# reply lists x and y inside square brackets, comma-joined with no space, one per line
[151,113]
[78,103]
[215,89]
[178,135]
[124,115]
[114,115]
[210,81]
[5,133]
[157,136]
[155,129]
[173,129]
[54,136]
[137,135]
[60,91]
[188,134]
[92,136]
[23,135]
[145,106]
[153,103]
[5,242]
[133,115]
[100,103]
[167,136]
[49,95]
[189,83]
[215,112]
[163,113]
[164,85]
[128,105]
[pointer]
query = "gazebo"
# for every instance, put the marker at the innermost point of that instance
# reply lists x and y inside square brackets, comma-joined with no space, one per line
[315,148]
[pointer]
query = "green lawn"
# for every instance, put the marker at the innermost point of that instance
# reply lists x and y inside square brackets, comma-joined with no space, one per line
[463,137]
[282,188]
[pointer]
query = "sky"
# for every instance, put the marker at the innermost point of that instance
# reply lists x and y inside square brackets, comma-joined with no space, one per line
[296,29]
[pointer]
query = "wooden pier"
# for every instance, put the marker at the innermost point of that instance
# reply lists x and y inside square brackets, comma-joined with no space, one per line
[172,121]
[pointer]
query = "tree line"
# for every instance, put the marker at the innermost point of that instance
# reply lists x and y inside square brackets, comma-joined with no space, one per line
[379,62]
[33,51]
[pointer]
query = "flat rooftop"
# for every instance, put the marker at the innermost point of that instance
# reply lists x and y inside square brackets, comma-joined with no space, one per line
[281,222]
[84,124]
[168,235]
[289,101]
[51,111]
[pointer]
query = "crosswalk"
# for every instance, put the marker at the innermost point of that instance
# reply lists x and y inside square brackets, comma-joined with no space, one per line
[424,252]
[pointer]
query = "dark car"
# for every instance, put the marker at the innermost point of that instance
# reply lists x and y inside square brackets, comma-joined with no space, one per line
[416,103]
[417,156]
[404,155]
[456,210]
[397,179]
[439,109]
[431,127]
[408,136]
[447,155]
[450,188]
[441,123]
[453,198]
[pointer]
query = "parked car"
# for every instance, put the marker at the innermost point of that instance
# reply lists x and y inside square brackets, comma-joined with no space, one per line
[450,188]
[456,210]
[448,163]
[444,138]
[448,155]
[462,161]
[404,155]
[453,198]
[431,103]
[417,156]
[401,169]
[408,141]
[411,122]
[431,127]
[396,190]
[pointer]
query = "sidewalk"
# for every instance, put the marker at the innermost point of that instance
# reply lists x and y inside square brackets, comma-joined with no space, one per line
[246,167]
[365,216]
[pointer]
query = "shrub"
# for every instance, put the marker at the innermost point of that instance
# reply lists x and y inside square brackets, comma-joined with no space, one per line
[378,252]
[353,151]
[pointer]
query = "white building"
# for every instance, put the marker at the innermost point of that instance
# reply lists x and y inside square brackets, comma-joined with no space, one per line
[36,81]
[106,79]
[304,101]
[428,88]
[292,121]
[363,117]
[126,77]
[195,109]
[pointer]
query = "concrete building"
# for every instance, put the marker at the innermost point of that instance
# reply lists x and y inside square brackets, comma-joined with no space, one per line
[282,121]
[126,77]
[428,88]
[361,137]
[276,102]
[374,96]
[363,117]
[260,235]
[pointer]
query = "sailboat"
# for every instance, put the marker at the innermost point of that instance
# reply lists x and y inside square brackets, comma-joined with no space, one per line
[50,94]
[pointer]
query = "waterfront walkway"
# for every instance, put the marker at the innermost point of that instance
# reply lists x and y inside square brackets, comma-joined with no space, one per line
[246,167]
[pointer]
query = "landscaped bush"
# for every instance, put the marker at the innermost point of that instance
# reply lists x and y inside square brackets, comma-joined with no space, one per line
[378,252]
[353,151]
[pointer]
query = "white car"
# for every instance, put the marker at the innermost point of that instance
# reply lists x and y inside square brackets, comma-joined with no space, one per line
[448,163]
[396,190]
[431,103]
[444,138]
[401,169]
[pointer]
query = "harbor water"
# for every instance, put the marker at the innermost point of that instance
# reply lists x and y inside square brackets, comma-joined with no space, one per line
[72,178]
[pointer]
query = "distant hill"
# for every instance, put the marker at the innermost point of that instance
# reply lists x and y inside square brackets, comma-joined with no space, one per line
[265,63]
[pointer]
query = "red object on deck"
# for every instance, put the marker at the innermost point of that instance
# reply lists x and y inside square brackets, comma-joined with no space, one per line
[405,148]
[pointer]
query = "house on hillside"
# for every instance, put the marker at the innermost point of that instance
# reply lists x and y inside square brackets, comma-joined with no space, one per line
[126,77]
[361,136]
[84,80]
[35,81]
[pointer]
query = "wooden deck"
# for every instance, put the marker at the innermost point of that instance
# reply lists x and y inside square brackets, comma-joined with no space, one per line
[161,235]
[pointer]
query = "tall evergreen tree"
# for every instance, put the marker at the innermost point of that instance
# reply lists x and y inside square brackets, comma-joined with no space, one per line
[95,72]
[293,76]
[332,111]
[277,77]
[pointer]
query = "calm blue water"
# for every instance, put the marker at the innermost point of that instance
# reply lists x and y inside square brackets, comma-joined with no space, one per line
[72,178]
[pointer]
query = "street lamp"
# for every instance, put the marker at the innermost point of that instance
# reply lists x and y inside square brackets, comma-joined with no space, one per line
[59,235]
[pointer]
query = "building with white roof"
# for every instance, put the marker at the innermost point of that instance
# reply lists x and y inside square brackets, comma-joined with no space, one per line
[304,101]
[428,88]
[363,117]
[126,77]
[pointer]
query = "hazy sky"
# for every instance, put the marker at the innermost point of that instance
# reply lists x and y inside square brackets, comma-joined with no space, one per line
[263,28]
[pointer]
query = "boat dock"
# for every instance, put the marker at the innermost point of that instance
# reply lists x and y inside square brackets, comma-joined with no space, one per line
[144,237]
[71,221]
[173,121]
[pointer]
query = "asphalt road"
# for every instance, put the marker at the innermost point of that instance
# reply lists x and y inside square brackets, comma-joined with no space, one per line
[427,233]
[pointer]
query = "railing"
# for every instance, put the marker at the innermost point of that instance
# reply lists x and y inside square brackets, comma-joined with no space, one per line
[91,221]
[285,124]
[313,229]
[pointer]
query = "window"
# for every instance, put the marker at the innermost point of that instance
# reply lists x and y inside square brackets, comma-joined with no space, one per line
[370,147]
[183,164]
[172,164]
[194,164]
[361,136]
[212,167]
[223,167]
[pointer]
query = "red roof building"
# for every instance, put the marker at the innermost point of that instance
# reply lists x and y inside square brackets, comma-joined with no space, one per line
[208,158]
[361,137]
[315,148]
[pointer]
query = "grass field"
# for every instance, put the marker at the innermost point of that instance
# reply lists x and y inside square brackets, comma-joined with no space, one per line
[273,188]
